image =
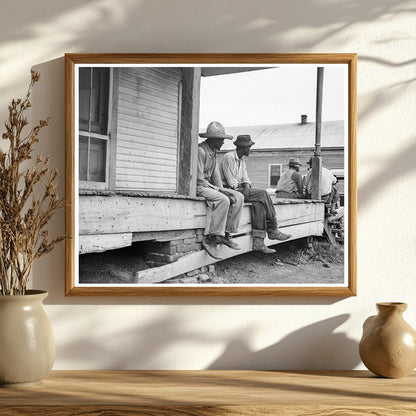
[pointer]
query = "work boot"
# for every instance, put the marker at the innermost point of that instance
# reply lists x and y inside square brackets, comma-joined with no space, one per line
[226,240]
[210,245]
[276,234]
[267,250]
[258,245]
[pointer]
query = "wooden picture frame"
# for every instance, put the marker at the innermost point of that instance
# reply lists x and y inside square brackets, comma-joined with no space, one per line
[106,209]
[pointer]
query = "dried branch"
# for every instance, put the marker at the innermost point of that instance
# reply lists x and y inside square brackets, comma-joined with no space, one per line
[23,218]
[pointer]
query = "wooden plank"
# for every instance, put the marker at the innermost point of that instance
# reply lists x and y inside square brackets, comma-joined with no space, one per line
[145,87]
[153,127]
[152,94]
[141,95]
[139,108]
[149,81]
[146,131]
[147,184]
[146,158]
[109,214]
[152,180]
[159,73]
[147,139]
[201,258]
[290,214]
[99,243]
[172,72]
[151,76]
[163,236]
[168,171]
[141,116]
[130,101]
[168,149]
[329,235]
[213,393]
[190,262]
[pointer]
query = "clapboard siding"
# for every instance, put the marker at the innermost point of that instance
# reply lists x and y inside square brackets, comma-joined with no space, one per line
[164,73]
[137,123]
[149,86]
[150,113]
[162,148]
[145,161]
[147,126]
[152,97]
[165,107]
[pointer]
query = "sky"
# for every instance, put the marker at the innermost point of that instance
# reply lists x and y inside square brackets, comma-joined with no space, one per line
[273,96]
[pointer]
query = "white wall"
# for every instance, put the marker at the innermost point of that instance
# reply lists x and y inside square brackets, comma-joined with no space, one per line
[195,333]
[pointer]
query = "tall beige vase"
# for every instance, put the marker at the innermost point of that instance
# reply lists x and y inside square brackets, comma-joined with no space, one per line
[388,345]
[27,347]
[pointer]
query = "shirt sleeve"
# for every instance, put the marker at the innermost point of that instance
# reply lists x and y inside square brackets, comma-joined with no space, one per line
[298,181]
[201,181]
[227,172]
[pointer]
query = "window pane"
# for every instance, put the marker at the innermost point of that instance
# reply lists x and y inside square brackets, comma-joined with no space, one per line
[84,98]
[98,153]
[99,105]
[83,157]
[275,172]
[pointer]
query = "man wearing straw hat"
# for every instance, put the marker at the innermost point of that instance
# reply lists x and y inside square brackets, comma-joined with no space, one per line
[226,204]
[290,184]
[263,215]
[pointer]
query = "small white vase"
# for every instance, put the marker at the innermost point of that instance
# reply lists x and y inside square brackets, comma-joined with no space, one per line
[27,346]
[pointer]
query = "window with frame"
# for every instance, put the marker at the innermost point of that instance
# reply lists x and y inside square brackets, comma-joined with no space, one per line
[94,87]
[275,171]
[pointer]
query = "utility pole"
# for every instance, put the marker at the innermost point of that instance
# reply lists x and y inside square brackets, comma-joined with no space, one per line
[316,178]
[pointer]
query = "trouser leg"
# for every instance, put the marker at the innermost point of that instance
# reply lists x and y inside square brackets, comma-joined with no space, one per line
[263,213]
[234,212]
[262,210]
[219,204]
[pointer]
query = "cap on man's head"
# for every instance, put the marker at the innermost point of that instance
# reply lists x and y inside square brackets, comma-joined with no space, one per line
[294,161]
[215,130]
[309,162]
[244,140]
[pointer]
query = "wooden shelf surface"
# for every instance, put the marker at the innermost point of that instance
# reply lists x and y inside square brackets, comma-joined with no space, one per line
[204,393]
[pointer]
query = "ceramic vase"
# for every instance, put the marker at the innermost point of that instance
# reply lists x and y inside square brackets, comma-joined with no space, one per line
[388,345]
[27,347]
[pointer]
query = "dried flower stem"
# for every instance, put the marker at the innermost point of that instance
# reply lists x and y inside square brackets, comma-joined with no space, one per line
[23,217]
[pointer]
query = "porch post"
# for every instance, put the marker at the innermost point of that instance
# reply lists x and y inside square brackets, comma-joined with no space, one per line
[189,127]
[317,159]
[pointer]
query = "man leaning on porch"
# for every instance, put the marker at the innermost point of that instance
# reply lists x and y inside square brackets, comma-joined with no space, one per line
[226,204]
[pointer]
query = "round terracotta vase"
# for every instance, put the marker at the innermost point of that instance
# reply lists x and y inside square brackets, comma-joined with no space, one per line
[388,345]
[27,347]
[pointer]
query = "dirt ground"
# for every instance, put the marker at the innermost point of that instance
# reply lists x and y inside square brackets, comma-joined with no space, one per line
[292,263]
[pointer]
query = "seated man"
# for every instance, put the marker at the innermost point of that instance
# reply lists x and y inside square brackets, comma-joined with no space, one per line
[290,183]
[226,204]
[263,215]
[329,189]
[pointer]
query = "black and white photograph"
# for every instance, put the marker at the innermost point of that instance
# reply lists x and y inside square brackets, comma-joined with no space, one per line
[211,175]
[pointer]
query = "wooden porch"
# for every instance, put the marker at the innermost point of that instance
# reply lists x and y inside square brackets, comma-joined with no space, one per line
[108,222]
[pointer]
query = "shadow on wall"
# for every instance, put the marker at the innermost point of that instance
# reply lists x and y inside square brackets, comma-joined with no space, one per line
[153,345]
[77,26]
[313,347]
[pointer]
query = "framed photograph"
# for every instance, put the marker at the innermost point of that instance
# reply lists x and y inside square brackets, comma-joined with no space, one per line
[211,174]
